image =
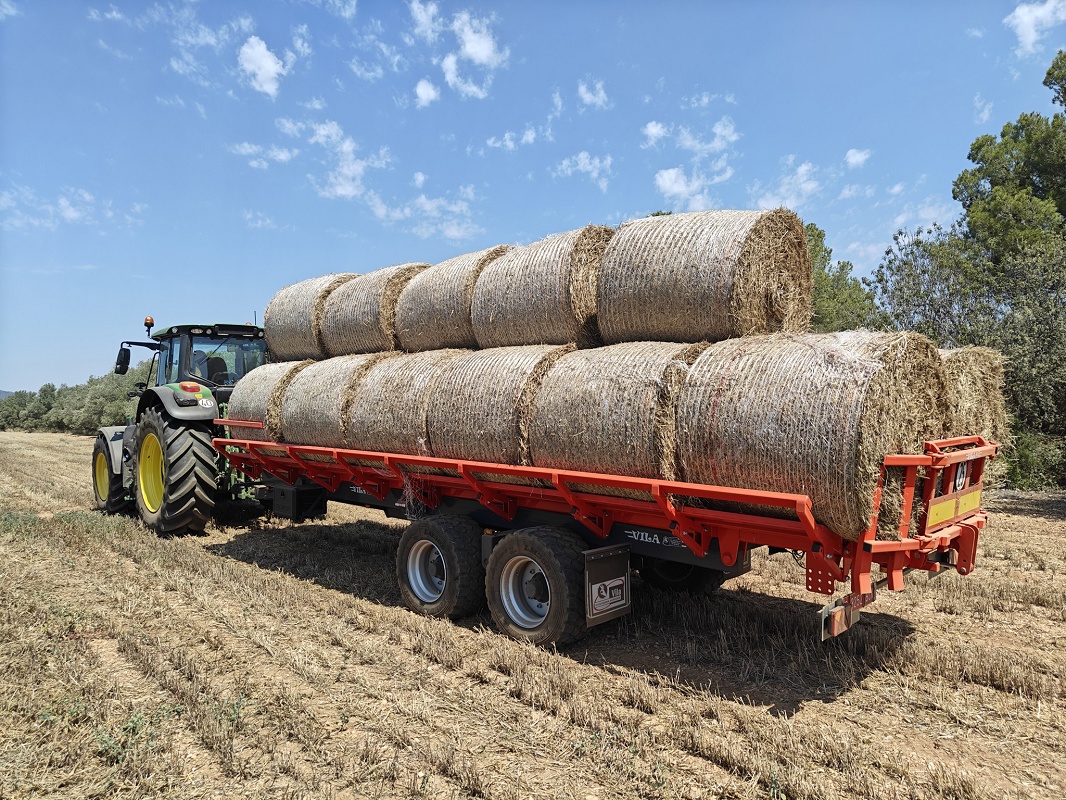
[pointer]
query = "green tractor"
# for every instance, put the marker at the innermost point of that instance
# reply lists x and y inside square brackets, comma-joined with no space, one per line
[162,463]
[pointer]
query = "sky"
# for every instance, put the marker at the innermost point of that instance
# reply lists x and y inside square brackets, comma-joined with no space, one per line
[186,160]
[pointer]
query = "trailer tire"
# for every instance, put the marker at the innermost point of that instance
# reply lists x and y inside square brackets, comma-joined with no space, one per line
[109,495]
[174,473]
[439,568]
[535,585]
[672,576]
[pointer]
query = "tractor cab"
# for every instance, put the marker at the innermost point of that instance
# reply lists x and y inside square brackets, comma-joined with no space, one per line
[214,356]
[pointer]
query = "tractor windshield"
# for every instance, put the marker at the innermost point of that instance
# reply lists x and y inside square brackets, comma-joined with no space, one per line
[223,362]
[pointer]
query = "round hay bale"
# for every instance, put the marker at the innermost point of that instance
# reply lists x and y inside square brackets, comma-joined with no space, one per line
[481,403]
[975,402]
[811,414]
[257,397]
[360,315]
[433,311]
[388,408]
[543,293]
[705,276]
[611,410]
[293,317]
[315,403]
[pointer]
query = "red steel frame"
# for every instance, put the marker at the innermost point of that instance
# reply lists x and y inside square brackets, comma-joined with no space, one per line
[949,474]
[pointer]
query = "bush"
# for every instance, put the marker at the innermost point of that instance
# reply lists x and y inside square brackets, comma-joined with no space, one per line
[1035,461]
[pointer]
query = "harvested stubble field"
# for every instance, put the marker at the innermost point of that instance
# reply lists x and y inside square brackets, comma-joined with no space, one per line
[269,660]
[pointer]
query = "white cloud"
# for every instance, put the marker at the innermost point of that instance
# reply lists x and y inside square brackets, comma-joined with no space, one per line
[114,51]
[259,163]
[8,9]
[701,100]
[854,190]
[982,109]
[257,219]
[1031,21]
[797,185]
[425,93]
[301,41]
[419,180]
[281,154]
[925,213]
[477,47]
[428,24]
[976,33]
[314,104]
[23,210]
[895,189]
[685,191]
[529,135]
[345,180]
[263,68]
[112,14]
[653,132]
[172,102]
[368,72]
[428,216]
[595,167]
[245,149]
[725,134]
[290,127]
[856,158]
[477,44]
[595,97]
[507,142]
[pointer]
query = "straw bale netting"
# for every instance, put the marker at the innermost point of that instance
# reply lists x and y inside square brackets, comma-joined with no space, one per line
[976,406]
[543,293]
[293,317]
[705,276]
[319,398]
[360,316]
[611,409]
[433,311]
[482,401]
[258,396]
[388,408]
[811,414]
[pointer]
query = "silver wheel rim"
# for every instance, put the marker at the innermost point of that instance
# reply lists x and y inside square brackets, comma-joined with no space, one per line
[525,592]
[426,572]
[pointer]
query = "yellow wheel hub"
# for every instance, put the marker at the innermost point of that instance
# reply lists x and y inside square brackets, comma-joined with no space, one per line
[101,475]
[150,472]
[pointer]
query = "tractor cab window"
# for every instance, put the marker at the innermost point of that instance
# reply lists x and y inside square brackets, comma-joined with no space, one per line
[167,364]
[224,361]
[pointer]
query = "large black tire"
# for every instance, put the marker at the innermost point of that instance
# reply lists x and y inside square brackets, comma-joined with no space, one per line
[438,567]
[174,473]
[109,495]
[535,585]
[672,576]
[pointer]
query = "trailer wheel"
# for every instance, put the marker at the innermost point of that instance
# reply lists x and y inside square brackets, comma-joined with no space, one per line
[173,473]
[439,569]
[672,576]
[108,492]
[535,585]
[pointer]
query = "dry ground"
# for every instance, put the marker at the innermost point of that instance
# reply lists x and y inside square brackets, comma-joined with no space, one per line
[270,660]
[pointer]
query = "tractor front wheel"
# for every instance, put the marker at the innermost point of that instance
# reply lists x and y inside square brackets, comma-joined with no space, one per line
[174,473]
[108,492]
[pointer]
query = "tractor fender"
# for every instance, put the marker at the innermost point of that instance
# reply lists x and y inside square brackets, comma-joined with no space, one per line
[205,410]
[113,436]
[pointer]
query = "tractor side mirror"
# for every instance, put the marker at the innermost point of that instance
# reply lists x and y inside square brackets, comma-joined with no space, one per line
[122,361]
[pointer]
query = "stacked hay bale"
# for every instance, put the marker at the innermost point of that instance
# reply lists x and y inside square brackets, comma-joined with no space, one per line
[611,409]
[292,321]
[433,310]
[360,315]
[258,397]
[561,273]
[975,393]
[705,276]
[810,414]
[318,399]
[388,407]
[482,403]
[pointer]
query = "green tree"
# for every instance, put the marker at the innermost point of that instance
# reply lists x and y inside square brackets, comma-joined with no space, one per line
[841,302]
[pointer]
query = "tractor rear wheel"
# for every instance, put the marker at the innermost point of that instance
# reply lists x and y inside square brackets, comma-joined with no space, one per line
[174,473]
[109,494]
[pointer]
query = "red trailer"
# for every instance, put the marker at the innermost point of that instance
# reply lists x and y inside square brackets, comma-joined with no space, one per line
[551,550]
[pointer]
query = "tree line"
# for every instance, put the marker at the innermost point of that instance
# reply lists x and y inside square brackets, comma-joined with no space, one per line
[995,277]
